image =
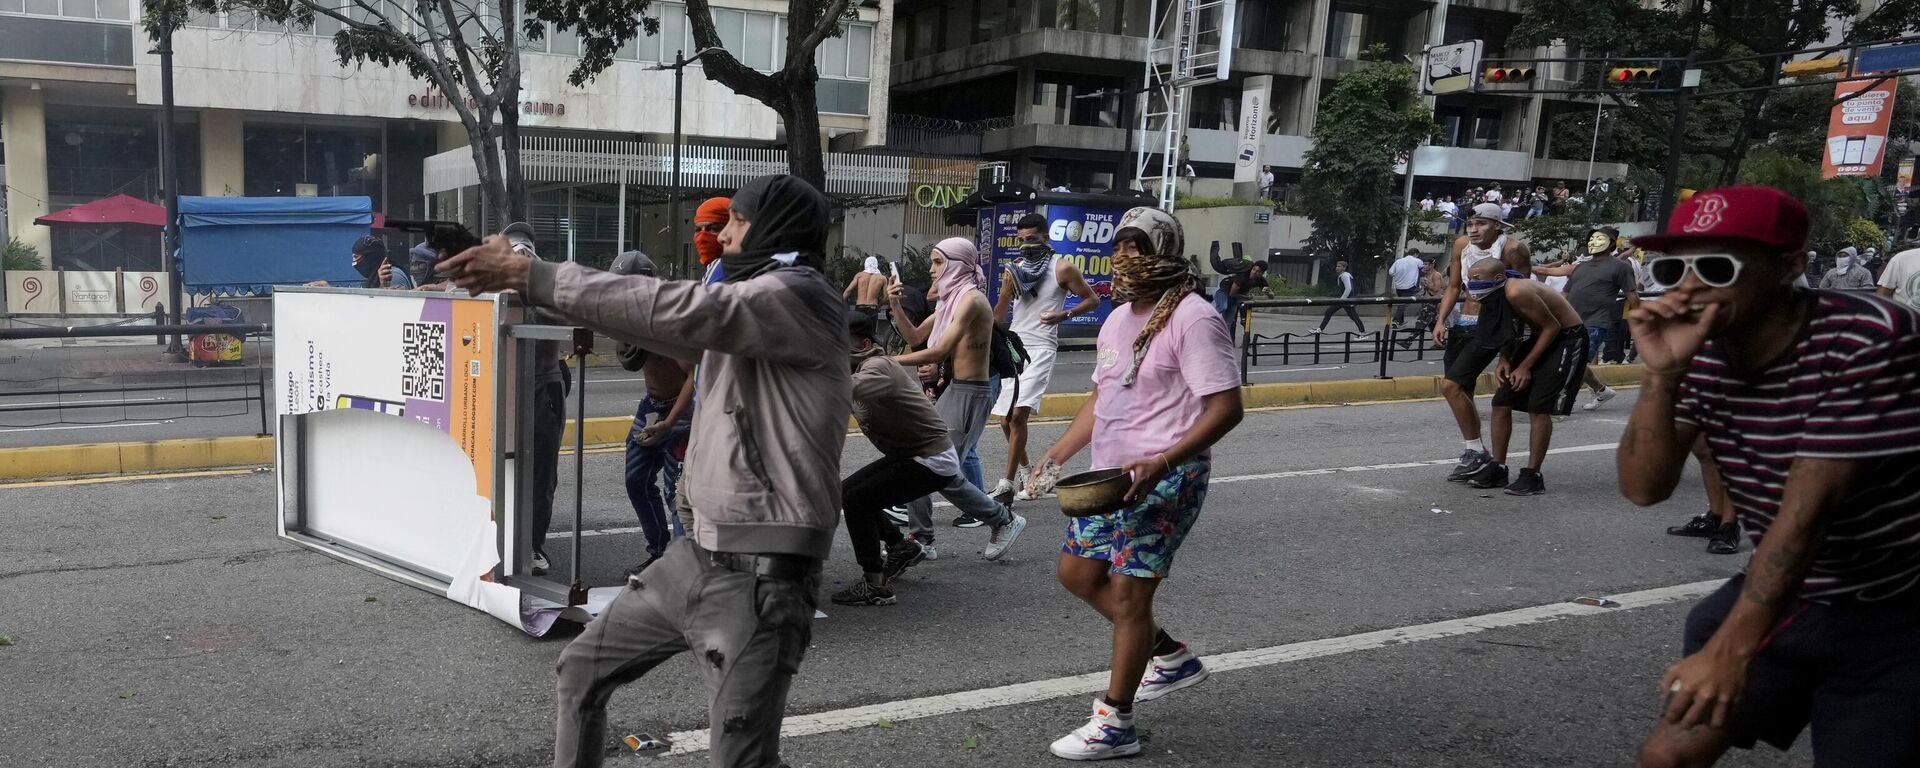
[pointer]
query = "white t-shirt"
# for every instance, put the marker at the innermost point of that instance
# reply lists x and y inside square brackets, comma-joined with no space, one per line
[1450,208]
[1405,273]
[1903,276]
[1493,195]
[1426,203]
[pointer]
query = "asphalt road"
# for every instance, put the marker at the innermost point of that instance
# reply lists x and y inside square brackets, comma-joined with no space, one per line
[42,412]
[159,622]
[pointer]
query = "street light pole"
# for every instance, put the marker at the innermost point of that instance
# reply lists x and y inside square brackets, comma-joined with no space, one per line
[679,67]
[170,179]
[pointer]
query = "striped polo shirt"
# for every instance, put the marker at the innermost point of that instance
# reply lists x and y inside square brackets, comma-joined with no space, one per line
[1848,389]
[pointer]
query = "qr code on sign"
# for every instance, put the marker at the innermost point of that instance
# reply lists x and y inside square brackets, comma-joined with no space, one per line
[423,352]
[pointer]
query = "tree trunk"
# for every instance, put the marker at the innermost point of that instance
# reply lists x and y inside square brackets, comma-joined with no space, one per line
[802,119]
[1742,137]
[507,91]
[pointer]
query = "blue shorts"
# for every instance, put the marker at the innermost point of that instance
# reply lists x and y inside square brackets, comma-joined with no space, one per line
[1140,540]
[1596,338]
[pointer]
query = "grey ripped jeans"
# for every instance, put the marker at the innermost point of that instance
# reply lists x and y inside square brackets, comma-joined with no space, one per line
[748,631]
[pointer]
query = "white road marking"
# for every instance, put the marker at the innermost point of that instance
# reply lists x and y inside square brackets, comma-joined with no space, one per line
[85,426]
[1518,458]
[4,406]
[1295,370]
[689,742]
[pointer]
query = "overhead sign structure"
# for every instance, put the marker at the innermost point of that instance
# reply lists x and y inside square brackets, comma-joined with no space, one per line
[1891,58]
[1451,68]
[1857,129]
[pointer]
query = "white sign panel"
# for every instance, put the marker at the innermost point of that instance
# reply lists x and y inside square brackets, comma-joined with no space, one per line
[91,293]
[1452,68]
[1253,121]
[143,291]
[33,292]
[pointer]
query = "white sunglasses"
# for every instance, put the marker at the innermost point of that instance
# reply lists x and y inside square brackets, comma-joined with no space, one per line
[1717,270]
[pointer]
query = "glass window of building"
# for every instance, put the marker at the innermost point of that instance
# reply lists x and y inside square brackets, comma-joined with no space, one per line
[859,51]
[313,160]
[563,41]
[831,58]
[1486,129]
[756,50]
[1453,122]
[1346,34]
[13,6]
[958,28]
[1215,108]
[991,21]
[730,25]
[44,7]
[1064,99]
[926,33]
[780,41]
[1264,25]
[1083,15]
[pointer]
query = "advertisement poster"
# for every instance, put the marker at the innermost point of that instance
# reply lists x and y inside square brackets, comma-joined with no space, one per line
[1084,237]
[1857,130]
[90,293]
[1253,121]
[1904,181]
[999,242]
[142,291]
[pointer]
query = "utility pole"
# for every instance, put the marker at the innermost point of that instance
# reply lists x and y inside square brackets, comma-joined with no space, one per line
[1677,132]
[679,67]
[170,178]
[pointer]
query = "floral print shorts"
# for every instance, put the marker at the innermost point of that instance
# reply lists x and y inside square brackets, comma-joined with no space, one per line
[1140,540]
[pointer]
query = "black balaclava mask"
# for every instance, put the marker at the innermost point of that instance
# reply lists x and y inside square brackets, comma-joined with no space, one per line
[788,216]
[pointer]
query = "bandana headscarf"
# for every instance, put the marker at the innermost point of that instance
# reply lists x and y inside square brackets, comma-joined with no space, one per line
[707,244]
[961,274]
[1163,273]
[872,267]
[1843,261]
[1035,261]
[789,226]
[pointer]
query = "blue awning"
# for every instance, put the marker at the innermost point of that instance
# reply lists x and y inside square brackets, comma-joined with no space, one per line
[237,244]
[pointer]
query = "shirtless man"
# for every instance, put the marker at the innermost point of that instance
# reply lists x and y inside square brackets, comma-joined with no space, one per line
[1543,351]
[956,334]
[657,442]
[1034,288]
[868,289]
[1485,240]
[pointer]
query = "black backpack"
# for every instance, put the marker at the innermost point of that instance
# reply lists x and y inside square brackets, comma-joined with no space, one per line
[1007,357]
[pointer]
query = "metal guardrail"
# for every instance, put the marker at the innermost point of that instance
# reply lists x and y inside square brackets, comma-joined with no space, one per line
[1377,346]
[259,383]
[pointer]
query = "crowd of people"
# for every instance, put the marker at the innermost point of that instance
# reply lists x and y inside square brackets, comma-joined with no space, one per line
[1522,203]
[1799,403]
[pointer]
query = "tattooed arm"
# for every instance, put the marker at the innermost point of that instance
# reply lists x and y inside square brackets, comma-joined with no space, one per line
[1703,688]
[1653,449]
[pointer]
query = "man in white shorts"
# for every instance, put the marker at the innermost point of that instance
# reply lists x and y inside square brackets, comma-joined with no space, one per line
[1036,286]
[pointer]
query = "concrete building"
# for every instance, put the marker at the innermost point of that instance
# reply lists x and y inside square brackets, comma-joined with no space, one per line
[1038,86]
[267,111]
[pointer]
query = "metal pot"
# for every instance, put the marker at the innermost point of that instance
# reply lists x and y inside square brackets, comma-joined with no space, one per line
[1092,493]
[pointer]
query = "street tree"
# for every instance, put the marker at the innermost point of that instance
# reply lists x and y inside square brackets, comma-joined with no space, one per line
[1349,188]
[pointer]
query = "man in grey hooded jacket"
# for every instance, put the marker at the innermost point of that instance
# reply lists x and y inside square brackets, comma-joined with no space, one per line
[762,472]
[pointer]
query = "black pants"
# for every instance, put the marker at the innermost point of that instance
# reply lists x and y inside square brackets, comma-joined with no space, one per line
[1331,311]
[864,495]
[549,420]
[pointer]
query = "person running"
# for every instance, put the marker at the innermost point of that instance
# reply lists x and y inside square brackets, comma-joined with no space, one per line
[1595,285]
[868,289]
[657,443]
[763,475]
[1345,279]
[1847,274]
[957,335]
[1034,288]
[1166,388]
[1543,350]
[1459,315]
[1810,400]
[916,459]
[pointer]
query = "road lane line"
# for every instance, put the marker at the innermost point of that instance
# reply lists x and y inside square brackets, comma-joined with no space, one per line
[124,478]
[690,742]
[82,426]
[1516,461]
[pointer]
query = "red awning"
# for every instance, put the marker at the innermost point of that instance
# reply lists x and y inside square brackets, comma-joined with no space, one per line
[116,211]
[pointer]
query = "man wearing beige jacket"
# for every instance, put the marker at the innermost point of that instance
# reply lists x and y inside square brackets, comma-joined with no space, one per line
[762,472]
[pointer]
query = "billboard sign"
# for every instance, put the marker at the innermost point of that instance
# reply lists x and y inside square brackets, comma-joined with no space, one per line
[1857,129]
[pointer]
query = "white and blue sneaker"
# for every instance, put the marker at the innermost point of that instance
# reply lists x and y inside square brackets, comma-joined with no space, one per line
[1471,462]
[1169,673]
[1107,734]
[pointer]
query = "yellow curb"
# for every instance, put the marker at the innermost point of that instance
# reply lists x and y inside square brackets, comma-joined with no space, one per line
[49,462]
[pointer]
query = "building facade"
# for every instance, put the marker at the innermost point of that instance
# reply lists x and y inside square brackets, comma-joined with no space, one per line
[267,111]
[1044,86]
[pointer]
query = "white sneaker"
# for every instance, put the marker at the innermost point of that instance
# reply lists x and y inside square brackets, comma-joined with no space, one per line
[1599,397]
[1106,734]
[1003,537]
[1169,673]
[1003,492]
[540,564]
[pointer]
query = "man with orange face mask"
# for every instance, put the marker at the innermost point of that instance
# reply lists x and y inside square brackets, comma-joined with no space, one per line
[708,220]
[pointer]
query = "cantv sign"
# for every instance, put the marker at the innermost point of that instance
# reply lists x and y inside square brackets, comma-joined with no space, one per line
[938,196]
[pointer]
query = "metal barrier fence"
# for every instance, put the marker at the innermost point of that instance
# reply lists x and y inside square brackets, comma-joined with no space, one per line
[252,390]
[1310,348]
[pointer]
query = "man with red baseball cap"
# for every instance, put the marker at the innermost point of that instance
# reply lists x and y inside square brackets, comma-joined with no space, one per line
[1807,399]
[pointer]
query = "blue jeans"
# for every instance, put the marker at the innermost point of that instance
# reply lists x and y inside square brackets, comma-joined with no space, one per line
[970,466]
[1596,337]
[652,503]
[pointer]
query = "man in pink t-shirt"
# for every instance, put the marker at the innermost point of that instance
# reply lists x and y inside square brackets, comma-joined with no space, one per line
[1165,390]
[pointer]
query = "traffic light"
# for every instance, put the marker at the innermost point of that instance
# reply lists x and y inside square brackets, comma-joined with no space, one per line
[1507,75]
[1633,75]
[1813,67]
